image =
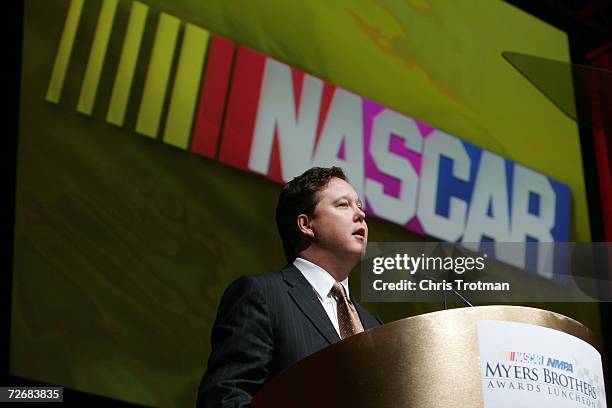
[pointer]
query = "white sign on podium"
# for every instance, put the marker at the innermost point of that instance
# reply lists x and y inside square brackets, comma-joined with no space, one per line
[523,365]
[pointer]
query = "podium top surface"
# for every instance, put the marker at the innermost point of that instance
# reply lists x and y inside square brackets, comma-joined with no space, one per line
[520,314]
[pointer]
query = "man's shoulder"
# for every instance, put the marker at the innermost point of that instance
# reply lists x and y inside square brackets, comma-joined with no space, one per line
[265,281]
[261,289]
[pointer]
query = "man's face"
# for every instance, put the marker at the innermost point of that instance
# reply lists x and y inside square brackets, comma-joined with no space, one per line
[338,222]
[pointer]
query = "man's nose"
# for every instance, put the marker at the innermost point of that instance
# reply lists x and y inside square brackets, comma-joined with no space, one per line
[359,214]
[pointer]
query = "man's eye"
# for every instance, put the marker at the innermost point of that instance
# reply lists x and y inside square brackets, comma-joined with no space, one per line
[343,204]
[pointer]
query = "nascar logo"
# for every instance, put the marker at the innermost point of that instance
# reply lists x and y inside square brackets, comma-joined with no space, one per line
[229,103]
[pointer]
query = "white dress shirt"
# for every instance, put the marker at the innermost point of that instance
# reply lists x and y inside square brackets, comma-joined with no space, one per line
[321,283]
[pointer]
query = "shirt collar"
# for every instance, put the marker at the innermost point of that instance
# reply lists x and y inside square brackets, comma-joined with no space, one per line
[320,280]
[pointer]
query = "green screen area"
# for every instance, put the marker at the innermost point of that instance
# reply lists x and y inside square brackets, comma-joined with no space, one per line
[124,244]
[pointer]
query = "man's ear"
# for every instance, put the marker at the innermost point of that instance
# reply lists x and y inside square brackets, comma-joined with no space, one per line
[303,223]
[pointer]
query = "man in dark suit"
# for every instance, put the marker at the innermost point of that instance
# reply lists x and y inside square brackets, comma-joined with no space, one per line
[269,322]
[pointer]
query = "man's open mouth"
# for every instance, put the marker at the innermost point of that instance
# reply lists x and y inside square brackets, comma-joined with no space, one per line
[360,232]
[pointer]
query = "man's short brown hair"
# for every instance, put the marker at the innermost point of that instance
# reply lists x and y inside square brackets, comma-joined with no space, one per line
[300,196]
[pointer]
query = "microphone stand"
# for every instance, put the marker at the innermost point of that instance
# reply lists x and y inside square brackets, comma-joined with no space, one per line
[422,276]
[460,296]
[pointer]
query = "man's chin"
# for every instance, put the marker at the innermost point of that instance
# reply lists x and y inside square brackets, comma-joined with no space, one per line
[363,249]
[358,252]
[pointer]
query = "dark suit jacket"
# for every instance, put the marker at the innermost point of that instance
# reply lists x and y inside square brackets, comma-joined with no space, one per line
[264,324]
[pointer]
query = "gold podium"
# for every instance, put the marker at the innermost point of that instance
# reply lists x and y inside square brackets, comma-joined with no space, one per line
[426,361]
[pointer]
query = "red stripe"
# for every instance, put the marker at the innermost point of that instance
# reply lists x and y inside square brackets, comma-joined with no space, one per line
[604,169]
[602,139]
[212,97]
[242,108]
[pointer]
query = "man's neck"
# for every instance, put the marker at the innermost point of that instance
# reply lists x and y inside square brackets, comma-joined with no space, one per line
[338,269]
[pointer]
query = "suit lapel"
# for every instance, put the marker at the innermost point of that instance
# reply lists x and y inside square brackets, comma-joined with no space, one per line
[307,301]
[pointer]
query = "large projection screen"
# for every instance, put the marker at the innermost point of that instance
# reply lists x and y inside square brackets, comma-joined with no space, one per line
[124,242]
